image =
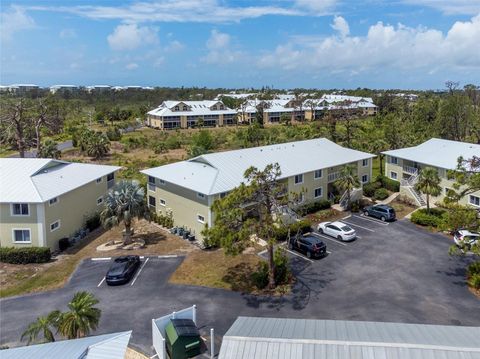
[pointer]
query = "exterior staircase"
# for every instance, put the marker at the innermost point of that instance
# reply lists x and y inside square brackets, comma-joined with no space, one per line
[355,194]
[409,185]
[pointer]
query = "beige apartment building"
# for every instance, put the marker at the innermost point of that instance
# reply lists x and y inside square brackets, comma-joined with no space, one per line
[405,164]
[189,188]
[187,114]
[44,200]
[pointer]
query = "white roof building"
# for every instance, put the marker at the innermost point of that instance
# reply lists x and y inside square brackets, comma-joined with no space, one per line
[63,88]
[282,338]
[235,95]
[223,171]
[191,108]
[437,153]
[36,180]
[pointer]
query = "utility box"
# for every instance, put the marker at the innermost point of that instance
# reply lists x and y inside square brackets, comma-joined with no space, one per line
[182,339]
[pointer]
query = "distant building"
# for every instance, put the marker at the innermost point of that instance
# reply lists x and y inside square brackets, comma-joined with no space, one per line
[186,114]
[236,95]
[22,89]
[62,89]
[98,88]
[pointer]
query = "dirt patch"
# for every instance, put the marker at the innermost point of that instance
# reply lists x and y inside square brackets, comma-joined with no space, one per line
[325,215]
[401,208]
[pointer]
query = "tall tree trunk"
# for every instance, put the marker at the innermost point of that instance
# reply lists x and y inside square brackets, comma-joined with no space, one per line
[271,267]
[38,138]
[428,203]
[380,156]
[127,237]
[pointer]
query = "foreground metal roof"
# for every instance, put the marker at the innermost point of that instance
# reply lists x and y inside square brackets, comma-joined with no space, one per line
[223,171]
[269,338]
[106,346]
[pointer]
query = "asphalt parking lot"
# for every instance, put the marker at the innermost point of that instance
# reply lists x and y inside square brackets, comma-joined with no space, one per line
[393,272]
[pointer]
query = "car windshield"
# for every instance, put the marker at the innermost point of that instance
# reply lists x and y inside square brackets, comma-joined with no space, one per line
[391,210]
[121,260]
[346,229]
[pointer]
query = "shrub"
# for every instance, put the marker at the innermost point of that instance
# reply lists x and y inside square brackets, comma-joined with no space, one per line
[282,270]
[260,277]
[355,206]
[313,207]
[63,244]
[172,142]
[302,226]
[474,281]
[389,184]
[370,188]
[25,255]
[434,219]
[114,134]
[93,222]
[381,194]
[473,268]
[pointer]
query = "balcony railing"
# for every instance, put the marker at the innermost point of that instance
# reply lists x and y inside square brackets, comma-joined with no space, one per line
[110,183]
[410,170]
[333,176]
[151,187]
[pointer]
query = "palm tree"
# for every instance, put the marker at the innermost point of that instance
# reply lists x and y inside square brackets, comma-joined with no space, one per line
[429,184]
[348,181]
[49,150]
[124,203]
[42,325]
[98,145]
[81,318]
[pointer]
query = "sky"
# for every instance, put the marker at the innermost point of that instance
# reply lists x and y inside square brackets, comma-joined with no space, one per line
[403,44]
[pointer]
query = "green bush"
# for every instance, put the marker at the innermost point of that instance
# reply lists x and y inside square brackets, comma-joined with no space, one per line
[25,255]
[282,270]
[172,142]
[473,268]
[302,226]
[474,281]
[370,188]
[260,277]
[113,134]
[434,219]
[313,207]
[93,222]
[389,184]
[381,194]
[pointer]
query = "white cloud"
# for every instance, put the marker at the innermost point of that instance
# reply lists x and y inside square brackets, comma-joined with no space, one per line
[385,48]
[174,46]
[450,7]
[13,20]
[219,51]
[321,7]
[131,66]
[131,36]
[67,34]
[218,40]
[340,25]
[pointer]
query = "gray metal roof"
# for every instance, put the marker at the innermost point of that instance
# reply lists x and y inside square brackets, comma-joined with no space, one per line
[106,346]
[437,152]
[265,338]
[222,171]
[36,180]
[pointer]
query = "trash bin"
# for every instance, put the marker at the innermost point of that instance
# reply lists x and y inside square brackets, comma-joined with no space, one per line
[182,339]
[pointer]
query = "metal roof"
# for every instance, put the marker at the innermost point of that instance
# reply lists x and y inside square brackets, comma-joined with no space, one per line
[36,180]
[223,171]
[196,108]
[106,346]
[265,338]
[437,152]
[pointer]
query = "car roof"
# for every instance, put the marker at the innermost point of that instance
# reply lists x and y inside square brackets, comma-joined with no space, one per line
[338,223]
[312,239]
[467,232]
[381,205]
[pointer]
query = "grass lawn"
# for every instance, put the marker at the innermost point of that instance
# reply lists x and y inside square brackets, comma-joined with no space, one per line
[21,279]
[215,269]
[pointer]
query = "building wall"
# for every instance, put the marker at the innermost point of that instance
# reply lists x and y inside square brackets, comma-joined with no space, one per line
[9,222]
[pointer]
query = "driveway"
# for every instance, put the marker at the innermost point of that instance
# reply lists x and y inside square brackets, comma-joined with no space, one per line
[62,146]
[394,272]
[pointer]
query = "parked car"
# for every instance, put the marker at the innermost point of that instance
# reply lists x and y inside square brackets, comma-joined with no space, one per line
[339,230]
[380,211]
[311,246]
[466,239]
[122,270]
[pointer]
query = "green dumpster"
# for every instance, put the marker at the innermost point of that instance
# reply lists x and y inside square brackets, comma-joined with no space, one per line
[182,338]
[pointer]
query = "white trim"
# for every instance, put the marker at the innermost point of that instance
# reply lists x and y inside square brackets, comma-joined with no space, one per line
[59,225]
[20,215]
[294,179]
[391,177]
[42,235]
[321,192]
[22,229]
[315,174]
[470,200]
[199,220]
[363,182]
[363,161]
[54,203]
[164,204]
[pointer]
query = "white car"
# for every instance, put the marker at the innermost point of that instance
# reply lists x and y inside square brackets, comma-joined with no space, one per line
[465,238]
[338,230]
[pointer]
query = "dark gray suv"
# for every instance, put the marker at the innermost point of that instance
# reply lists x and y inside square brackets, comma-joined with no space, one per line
[380,211]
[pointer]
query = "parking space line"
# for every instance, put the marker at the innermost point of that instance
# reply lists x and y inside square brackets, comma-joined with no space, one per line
[99,284]
[298,255]
[140,271]
[102,259]
[371,220]
[356,225]
[330,238]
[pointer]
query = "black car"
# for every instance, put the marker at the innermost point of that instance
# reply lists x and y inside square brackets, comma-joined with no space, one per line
[380,211]
[122,270]
[309,245]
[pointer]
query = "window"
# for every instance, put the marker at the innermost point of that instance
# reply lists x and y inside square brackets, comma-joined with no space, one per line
[162,182]
[318,174]
[110,177]
[365,162]
[393,160]
[200,218]
[53,201]
[99,201]
[152,201]
[99,180]
[162,202]
[393,175]
[475,200]
[20,209]
[177,108]
[318,192]
[151,179]
[55,225]
[185,108]
[21,235]
[299,179]
[223,194]
[364,178]
[200,195]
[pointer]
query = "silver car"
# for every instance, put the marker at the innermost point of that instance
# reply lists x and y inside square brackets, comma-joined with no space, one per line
[339,230]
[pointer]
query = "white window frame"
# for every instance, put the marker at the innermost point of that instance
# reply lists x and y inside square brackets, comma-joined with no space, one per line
[22,229]
[396,176]
[315,174]
[59,225]
[200,220]
[99,200]
[162,182]
[148,200]
[19,215]
[295,179]
[472,203]
[365,162]
[200,195]
[321,192]
[99,180]
[393,160]
[366,176]
[163,202]
[55,201]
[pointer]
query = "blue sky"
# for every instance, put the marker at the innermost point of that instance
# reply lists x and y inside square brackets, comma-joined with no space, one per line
[409,44]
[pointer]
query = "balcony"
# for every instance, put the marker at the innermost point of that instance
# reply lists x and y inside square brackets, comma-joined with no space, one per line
[333,176]
[110,183]
[410,170]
